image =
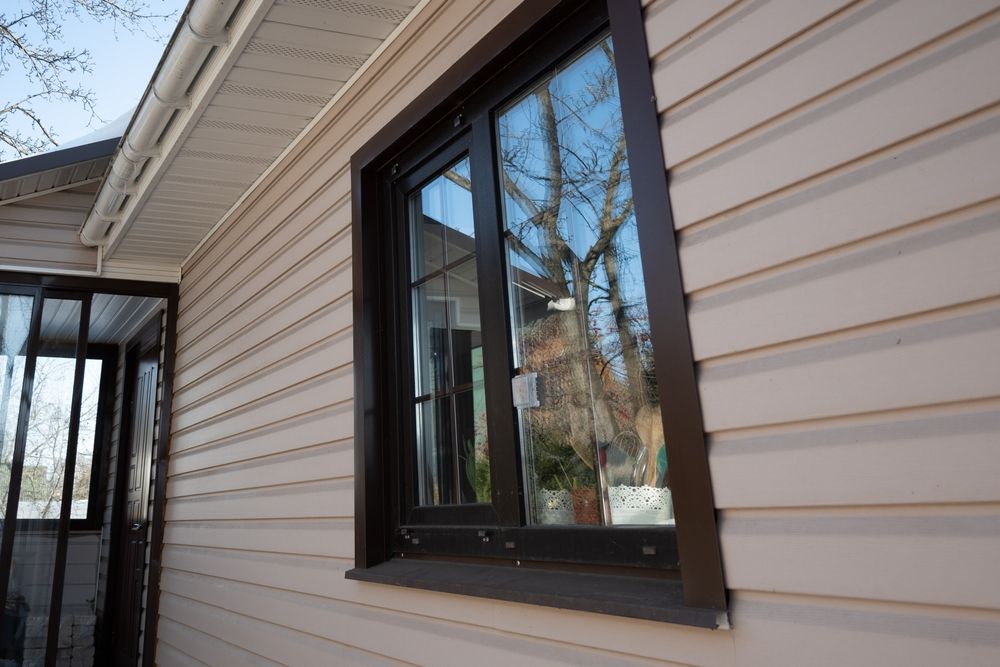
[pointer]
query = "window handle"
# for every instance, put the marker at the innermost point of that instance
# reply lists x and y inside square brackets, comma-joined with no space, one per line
[524,388]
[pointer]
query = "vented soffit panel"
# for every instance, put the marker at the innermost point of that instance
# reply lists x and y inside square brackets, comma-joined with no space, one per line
[290,60]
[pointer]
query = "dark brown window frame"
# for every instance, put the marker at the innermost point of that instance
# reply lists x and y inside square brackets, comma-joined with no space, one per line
[108,355]
[698,597]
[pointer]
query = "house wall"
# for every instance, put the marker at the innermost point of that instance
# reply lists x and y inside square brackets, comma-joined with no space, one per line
[42,232]
[833,179]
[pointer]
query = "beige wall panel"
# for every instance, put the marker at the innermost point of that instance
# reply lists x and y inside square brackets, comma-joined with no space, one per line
[328,263]
[182,644]
[947,455]
[321,576]
[42,232]
[898,103]
[279,644]
[734,38]
[166,654]
[941,172]
[867,553]
[326,499]
[200,360]
[330,538]
[319,392]
[669,21]
[922,268]
[240,363]
[415,639]
[318,359]
[949,358]
[46,255]
[851,44]
[304,465]
[328,424]
[232,272]
[791,631]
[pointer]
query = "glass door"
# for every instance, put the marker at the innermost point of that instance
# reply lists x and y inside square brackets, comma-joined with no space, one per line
[43,361]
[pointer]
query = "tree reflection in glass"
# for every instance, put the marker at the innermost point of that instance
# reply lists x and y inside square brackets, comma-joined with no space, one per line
[580,319]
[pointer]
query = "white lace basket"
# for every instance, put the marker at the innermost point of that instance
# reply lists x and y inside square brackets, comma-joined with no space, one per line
[556,507]
[640,505]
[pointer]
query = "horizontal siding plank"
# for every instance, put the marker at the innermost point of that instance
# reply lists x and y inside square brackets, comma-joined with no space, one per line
[946,457]
[319,359]
[329,424]
[332,538]
[948,359]
[325,577]
[308,500]
[668,21]
[329,264]
[784,631]
[198,647]
[899,103]
[307,397]
[307,465]
[960,162]
[749,30]
[241,364]
[169,655]
[282,645]
[927,268]
[922,555]
[850,45]
[414,639]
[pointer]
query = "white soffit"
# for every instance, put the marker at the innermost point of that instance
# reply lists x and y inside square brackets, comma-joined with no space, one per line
[277,77]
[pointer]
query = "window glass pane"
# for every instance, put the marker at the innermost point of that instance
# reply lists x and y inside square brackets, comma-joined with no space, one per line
[33,564]
[430,324]
[435,470]
[592,441]
[15,320]
[51,404]
[441,221]
[452,455]
[89,405]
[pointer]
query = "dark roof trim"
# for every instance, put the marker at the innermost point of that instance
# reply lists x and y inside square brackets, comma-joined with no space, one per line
[57,159]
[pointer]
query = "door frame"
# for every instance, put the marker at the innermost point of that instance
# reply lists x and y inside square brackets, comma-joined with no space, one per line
[170,293]
[146,339]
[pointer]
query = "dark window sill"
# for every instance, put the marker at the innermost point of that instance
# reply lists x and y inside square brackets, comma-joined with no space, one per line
[634,597]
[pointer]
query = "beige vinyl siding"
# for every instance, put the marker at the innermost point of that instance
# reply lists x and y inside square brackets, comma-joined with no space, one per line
[837,204]
[41,231]
[837,227]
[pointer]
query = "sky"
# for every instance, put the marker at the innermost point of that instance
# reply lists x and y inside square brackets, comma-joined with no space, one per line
[122,65]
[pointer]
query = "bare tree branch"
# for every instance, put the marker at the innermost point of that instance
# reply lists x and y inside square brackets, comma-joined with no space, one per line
[33,60]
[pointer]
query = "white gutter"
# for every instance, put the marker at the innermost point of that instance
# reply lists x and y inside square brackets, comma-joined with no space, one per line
[203,28]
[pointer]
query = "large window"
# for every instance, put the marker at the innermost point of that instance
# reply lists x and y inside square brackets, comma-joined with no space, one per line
[520,407]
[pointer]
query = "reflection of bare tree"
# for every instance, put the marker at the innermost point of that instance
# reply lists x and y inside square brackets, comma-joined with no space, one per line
[47,439]
[569,162]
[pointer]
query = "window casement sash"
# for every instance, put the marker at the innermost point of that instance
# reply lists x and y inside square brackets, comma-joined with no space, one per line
[69,470]
[10,523]
[20,442]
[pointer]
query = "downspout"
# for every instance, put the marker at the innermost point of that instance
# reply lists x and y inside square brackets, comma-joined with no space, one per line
[203,28]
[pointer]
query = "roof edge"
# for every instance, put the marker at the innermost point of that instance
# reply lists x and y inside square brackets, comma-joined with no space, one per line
[56,159]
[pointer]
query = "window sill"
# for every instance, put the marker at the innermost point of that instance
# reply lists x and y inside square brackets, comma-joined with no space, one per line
[634,597]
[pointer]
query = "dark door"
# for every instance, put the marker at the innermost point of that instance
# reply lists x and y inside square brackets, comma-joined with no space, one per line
[134,470]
